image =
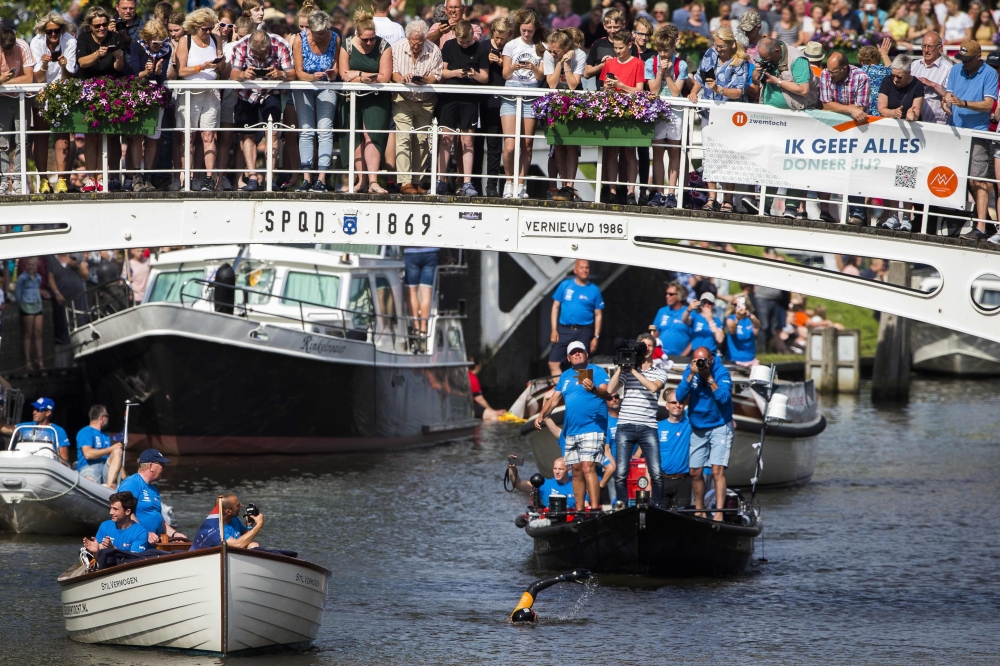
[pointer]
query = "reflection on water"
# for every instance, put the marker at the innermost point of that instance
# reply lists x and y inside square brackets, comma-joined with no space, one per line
[889,555]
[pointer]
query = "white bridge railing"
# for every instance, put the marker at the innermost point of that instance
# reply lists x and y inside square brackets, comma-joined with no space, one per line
[690,146]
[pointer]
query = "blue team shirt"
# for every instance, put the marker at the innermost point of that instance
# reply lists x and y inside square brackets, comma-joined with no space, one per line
[701,334]
[743,345]
[208,533]
[552,486]
[576,303]
[975,88]
[672,331]
[148,511]
[675,445]
[132,539]
[60,433]
[92,437]
[612,432]
[585,411]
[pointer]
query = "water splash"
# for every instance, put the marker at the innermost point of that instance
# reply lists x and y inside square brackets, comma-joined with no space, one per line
[589,588]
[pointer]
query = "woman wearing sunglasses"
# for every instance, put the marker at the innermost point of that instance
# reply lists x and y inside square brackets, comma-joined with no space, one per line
[150,55]
[54,50]
[99,54]
[225,32]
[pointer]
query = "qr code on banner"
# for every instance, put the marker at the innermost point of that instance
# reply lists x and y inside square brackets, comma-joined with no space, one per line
[906,177]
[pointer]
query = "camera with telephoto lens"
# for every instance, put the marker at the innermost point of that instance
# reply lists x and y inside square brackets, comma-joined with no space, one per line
[250,512]
[629,353]
[702,363]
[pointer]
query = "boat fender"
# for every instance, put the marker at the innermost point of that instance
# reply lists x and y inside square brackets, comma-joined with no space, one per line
[539,522]
[523,613]
[521,520]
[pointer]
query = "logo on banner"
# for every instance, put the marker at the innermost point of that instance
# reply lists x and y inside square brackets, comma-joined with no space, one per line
[740,119]
[350,222]
[942,182]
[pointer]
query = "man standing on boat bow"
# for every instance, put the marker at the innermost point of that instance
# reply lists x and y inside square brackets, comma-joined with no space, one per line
[708,387]
[584,388]
[149,512]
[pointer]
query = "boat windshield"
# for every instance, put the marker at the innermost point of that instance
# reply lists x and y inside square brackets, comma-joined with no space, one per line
[311,287]
[258,279]
[167,286]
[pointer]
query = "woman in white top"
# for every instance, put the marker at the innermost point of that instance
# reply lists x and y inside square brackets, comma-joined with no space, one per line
[225,32]
[54,49]
[957,25]
[199,57]
[522,68]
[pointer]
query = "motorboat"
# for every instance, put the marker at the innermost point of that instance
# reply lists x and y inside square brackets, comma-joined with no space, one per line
[643,540]
[943,351]
[306,350]
[221,600]
[791,445]
[41,494]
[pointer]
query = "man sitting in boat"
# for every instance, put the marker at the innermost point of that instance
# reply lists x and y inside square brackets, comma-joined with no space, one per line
[120,532]
[675,444]
[707,386]
[584,389]
[605,467]
[42,416]
[97,458]
[236,534]
[149,512]
[561,483]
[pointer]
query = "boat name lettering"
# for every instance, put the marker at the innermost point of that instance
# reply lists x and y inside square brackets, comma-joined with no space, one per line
[574,229]
[312,582]
[69,610]
[121,582]
[301,221]
[322,346]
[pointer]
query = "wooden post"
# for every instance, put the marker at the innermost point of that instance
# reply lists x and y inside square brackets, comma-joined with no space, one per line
[828,377]
[891,375]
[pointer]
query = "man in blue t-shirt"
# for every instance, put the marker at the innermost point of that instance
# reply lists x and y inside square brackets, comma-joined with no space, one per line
[585,420]
[674,434]
[149,512]
[577,308]
[234,532]
[560,483]
[97,458]
[673,332]
[970,95]
[706,328]
[707,386]
[741,334]
[42,416]
[120,532]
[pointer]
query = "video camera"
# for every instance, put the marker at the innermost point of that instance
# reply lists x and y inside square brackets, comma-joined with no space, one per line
[629,353]
[250,512]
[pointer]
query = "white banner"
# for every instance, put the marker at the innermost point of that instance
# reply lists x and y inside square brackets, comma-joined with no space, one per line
[828,152]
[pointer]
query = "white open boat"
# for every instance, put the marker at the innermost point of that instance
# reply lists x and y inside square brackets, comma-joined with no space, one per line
[790,455]
[41,494]
[220,600]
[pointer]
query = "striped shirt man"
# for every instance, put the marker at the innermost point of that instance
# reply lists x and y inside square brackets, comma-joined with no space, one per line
[428,63]
[639,403]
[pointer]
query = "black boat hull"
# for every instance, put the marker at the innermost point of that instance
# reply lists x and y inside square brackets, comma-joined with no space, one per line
[645,541]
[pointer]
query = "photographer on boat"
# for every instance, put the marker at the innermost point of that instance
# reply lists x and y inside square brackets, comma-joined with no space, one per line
[120,532]
[562,483]
[643,382]
[584,389]
[236,534]
[707,386]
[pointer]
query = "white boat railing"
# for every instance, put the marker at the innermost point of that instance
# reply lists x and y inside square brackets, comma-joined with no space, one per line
[690,148]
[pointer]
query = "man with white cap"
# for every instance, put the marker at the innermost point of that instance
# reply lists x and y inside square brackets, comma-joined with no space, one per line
[42,416]
[583,388]
[149,510]
[706,328]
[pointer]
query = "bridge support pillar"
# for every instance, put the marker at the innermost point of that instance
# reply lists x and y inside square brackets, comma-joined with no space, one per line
[891,375]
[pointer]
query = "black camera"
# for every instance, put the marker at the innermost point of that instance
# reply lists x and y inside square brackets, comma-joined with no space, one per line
[702,363]
[515,460]
[708,73]
[629,353]
[250,512]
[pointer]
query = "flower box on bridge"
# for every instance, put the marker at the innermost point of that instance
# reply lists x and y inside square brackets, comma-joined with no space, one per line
[625,133]
[127,105]
[144,123]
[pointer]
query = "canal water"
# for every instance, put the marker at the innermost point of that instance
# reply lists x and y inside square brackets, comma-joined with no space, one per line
[890,555]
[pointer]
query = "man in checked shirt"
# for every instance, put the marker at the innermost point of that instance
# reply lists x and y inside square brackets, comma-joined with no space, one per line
[843,88]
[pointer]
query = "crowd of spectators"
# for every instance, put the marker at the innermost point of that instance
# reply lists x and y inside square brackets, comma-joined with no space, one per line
[781,53]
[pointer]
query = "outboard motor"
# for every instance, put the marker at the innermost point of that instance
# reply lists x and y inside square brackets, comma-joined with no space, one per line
[225,297]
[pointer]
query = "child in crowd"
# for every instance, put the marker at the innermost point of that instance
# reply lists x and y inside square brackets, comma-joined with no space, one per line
[624,72]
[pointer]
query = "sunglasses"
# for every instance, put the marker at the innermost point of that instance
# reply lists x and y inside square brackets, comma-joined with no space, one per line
[671,293]
[641,34]
[57,31]
[157,44]
[204,29]
[98,26]
[366,39]
[227,26]
[673,402]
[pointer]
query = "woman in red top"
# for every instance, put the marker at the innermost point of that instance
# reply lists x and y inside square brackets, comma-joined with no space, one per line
[627,73]
[480,407]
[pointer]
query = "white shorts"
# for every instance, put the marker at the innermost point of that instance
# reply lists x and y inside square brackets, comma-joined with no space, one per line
[229,97]
[668,129]
[206,110]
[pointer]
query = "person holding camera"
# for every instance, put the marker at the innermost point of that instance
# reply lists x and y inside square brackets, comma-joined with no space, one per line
[561,483]
[707,386]
[706,328]
[643,382]
[741,333]
[235,532]
[583,388]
